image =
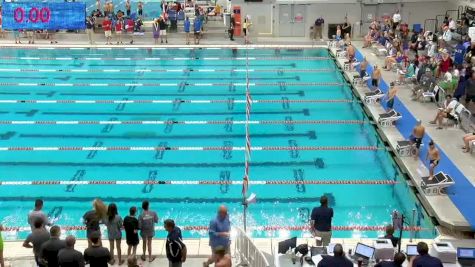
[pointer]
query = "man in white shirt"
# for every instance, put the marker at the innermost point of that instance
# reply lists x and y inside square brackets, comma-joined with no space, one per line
[448,112]
[396,19]
[447,36]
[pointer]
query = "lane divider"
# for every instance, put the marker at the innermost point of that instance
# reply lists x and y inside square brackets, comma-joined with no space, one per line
[199,182]
[146,101]
[265,228]
[173,84]
[190,148]
[270,122]
[163,58]
[167,70]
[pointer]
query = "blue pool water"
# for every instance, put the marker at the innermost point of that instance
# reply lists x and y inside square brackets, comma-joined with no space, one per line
[192,74]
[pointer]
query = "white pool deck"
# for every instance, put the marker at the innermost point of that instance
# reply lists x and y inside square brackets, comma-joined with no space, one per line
[449,140]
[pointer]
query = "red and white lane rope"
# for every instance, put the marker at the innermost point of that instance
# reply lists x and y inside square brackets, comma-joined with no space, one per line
[165,70]
[169,101]
[270,122]
[265,228]
[169,84]
[188,148]
[162,58]
[199,182]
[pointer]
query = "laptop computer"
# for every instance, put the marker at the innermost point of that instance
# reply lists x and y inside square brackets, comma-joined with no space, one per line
[411,250]
[466,257]
[363,251]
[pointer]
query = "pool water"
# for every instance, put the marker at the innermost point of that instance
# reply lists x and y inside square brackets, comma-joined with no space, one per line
[177,76]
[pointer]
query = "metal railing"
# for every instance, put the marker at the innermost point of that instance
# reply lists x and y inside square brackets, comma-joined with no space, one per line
[430,25]
[247,252]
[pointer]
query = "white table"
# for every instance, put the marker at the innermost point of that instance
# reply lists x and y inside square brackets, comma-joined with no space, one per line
[281,260]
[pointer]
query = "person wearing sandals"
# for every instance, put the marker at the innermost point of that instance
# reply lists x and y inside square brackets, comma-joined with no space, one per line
[114,225]
[147,221]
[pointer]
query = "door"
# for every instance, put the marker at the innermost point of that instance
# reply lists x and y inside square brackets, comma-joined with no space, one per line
[369,12]
[292,20]
[299,21]
[285,20]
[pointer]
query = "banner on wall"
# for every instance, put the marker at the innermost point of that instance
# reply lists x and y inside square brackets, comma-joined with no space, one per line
[43,16]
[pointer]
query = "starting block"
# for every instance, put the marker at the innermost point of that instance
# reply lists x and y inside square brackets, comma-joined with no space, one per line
[405,148]
[439,182]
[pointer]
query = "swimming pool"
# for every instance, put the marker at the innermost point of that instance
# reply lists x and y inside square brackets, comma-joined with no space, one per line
[82,100]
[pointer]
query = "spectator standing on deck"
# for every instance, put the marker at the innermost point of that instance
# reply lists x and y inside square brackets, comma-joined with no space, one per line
[424,259]
[114,230]
[128,7]
[39,235]
[140,8]
[131,226]
[107,26]
[156,31]
[96,255]
[129,27]
[318,28]
[175,248]
[197,31]
[93,218]
[346,28]
[37,214]
[187,26]
[50,248]
[119,26]
[68,256]
[321,222]
[90,29]
[232,24]
[219,234]
[246,28]
[147,221]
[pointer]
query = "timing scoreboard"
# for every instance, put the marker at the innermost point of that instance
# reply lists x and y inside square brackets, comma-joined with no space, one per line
[43,15]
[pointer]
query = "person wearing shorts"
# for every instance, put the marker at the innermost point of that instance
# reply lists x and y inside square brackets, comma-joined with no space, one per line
[131,226]
[375,76]
[147,221]
[163,30]
[107,26]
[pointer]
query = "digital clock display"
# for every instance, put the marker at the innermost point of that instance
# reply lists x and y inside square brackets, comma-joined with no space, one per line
[43,16]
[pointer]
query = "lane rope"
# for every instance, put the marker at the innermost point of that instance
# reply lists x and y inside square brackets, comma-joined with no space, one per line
[162,58]
[200,182]
[169,101]
[165,70]
[191,148]
[266,228]
[218,122]
[172,84]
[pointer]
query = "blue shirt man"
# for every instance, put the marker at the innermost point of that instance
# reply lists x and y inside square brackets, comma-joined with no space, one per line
[459,54]
[424,259]
[219,229]
[187,25]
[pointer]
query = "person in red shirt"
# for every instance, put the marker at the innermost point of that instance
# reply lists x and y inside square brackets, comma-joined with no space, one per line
[107,26]
[445,63]
[119,25]
[130,29]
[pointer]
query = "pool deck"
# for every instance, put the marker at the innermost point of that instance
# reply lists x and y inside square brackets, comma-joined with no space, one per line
[449,140]
[198,250]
